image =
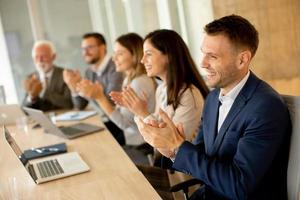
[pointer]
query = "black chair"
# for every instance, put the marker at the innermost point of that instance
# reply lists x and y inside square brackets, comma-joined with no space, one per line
[159,179]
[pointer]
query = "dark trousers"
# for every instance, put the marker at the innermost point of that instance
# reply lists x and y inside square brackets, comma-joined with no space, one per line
[116,132]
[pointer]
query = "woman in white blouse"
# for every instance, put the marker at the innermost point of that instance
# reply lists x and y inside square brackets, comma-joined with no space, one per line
[182,92]
[128,51]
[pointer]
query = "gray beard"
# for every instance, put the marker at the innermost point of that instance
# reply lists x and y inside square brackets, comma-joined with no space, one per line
[40,67]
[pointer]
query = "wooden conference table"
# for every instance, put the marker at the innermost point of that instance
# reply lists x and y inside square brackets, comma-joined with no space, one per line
[112,176]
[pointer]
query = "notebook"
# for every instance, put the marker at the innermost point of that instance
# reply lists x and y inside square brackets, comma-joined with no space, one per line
[70,132]
[49,168]
[75,115]
[39,152]
[9,113]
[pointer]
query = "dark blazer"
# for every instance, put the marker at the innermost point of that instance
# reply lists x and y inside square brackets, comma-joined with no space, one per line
[56,96]
[110,79]
[247,159]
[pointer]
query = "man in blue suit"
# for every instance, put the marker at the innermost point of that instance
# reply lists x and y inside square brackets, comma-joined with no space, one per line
[241,150]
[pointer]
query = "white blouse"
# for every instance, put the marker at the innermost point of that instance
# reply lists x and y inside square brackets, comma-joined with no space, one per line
[188,111]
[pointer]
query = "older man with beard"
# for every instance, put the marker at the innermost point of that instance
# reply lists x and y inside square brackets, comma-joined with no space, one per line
[45,88]
[102,70]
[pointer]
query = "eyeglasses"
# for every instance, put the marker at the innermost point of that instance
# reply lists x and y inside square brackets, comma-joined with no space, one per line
[89,47]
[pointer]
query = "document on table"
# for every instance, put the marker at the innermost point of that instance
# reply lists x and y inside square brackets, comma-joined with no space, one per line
[75,115]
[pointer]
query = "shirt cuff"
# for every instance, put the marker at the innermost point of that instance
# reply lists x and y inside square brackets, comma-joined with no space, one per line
[29,99]
[73,94]
[174,155]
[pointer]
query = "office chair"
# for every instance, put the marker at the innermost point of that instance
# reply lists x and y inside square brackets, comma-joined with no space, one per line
[159,179]
[293,172]
[159,173]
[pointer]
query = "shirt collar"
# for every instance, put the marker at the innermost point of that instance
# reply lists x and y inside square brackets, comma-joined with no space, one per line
[232,94]
[44,75]
[103,65]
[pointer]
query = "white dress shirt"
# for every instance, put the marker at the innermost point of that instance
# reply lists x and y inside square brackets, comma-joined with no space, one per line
[99,70]
[45,79]
[228,99]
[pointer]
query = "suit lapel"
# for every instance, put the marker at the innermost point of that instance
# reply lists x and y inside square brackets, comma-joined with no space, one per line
[238,105]
[212,128]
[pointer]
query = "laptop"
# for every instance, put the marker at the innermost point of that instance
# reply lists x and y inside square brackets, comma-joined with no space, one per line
[70,132]
[49,168]
[9,113]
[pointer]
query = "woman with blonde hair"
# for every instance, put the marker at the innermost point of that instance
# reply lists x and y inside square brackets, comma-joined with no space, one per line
[128,51]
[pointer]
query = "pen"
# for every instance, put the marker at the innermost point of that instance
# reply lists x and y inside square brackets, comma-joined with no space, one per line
[50,149]
[42,150]
[74,115]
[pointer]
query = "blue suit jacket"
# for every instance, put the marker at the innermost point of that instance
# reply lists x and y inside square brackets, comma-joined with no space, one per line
[247,159]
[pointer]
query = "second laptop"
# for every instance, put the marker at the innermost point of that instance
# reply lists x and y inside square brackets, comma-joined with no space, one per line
[69,132]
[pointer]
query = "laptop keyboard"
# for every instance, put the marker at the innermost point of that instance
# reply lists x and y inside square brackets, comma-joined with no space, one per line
[49,168]
[70,130]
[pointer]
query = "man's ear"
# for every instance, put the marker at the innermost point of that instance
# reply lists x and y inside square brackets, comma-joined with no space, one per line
[244,59]
[103,49]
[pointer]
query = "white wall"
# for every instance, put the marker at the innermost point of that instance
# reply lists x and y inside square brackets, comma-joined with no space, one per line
[198,14]
[64,22]
[6,77]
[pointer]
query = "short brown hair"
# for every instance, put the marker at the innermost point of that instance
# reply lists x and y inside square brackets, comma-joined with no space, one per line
[238,30]
[99,37]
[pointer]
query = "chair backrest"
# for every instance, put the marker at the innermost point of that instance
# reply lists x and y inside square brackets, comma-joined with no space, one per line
[293,174]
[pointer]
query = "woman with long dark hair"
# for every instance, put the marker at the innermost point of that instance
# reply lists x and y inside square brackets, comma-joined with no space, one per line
[182,91]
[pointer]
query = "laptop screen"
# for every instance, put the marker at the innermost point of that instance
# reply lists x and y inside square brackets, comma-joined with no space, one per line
[11,141]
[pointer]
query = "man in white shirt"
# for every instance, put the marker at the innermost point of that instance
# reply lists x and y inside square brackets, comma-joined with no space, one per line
[45,88]
[241,150]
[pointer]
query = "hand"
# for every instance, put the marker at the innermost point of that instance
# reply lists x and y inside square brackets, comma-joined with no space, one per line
[134,103]
[166,152]
[33,86]
[88,89]
[164,136]
[71,78]
[154,123]
[117,97]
